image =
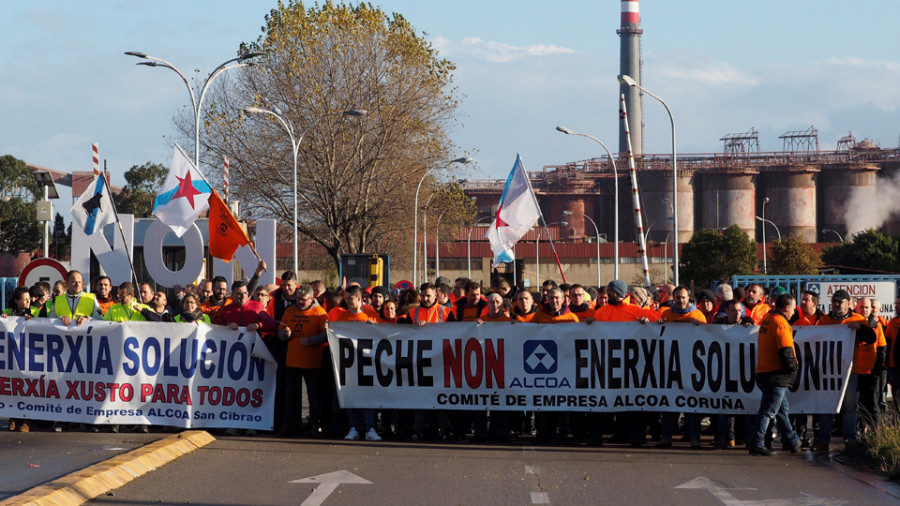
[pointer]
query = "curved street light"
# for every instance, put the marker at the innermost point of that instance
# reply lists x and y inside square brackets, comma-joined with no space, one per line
[197,104]
[469,243]
[629,81]
[835,232]
[464,160]
[295,147]
[597,232]
[568,131]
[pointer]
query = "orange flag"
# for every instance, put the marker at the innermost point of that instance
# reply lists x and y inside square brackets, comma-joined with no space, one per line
[225,234]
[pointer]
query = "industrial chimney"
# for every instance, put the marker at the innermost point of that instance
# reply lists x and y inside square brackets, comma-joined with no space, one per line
[630,64]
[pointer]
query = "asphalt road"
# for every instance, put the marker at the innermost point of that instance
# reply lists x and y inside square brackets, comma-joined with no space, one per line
[265,471]
[30,459]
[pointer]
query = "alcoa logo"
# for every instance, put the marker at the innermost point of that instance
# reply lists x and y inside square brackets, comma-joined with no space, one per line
[540,357]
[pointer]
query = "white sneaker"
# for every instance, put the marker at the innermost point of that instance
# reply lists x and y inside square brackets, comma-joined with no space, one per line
[372,435]
[353,435]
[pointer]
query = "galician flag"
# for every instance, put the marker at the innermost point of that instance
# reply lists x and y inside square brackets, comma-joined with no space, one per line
[94,209]
[517,213]
[183,196]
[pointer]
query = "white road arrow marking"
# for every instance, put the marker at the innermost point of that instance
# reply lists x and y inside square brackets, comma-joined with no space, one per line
[328,483]
[722,494]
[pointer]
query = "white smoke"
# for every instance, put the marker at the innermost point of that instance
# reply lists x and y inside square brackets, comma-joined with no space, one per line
[867,209]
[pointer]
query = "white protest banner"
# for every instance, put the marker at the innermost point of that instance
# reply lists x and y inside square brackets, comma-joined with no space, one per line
[176,374]
[578,367]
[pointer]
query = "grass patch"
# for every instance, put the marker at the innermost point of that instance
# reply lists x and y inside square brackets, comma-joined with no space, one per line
[880,445]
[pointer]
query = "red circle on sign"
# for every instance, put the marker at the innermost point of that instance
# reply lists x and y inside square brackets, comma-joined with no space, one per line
[42,268]
[404,285]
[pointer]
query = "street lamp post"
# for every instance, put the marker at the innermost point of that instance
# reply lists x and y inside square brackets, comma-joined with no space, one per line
[197,104]
[465,159]
[763,219]
[615,199]
[597,233]
[666,258]
[629,81]
[437,247]
[537,247]
[770,222]
[835,232]
[469,243]
[295,147]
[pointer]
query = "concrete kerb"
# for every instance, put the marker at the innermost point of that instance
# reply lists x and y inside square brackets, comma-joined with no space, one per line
[83,485]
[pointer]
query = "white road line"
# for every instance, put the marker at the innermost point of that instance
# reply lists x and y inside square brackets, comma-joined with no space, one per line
[540,498]
[532,470]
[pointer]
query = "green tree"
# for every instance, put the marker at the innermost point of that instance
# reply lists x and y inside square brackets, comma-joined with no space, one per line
[710,256]
[60,240]
[142,185]
[19,230]
[869,249]
[17,180]
[357,176]
[793,256]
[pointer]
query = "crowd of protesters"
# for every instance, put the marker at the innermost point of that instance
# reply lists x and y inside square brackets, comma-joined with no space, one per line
[292,320]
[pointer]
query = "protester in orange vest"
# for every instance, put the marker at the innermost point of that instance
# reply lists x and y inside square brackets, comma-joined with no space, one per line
[303,326]
[495,310]
[631,425]
[870,367]
[755,303]
[553,425]
[525,309]
[362,421]
[577,303]
[428,310]
[682,311]
[865,339]
[776,369]
[893,355]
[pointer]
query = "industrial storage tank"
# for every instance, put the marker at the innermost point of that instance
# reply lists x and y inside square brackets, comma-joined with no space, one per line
[655,186]
[727,197]
[836,182]
[791,190]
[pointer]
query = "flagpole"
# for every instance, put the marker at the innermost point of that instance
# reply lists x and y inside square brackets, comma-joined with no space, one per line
[105,176]
[642,242]
[552,247]
[549,238]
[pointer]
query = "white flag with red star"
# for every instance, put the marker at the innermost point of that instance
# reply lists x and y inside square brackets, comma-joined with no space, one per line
[517,212]
[183,196]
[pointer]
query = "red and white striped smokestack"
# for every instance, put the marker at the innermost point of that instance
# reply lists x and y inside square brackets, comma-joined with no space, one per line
[630,65]
[630,14]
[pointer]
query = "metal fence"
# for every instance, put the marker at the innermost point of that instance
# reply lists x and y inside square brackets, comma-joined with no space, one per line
[7,285]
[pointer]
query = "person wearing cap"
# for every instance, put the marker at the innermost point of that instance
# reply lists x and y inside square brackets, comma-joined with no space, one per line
[379,295]
[840,314]
[631,424]
[776,370]
[615,309]
[706,304]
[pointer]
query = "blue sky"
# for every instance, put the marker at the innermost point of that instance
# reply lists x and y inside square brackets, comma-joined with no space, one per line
[523,68]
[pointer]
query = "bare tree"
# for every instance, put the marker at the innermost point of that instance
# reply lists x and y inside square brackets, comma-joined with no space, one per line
[356,176]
